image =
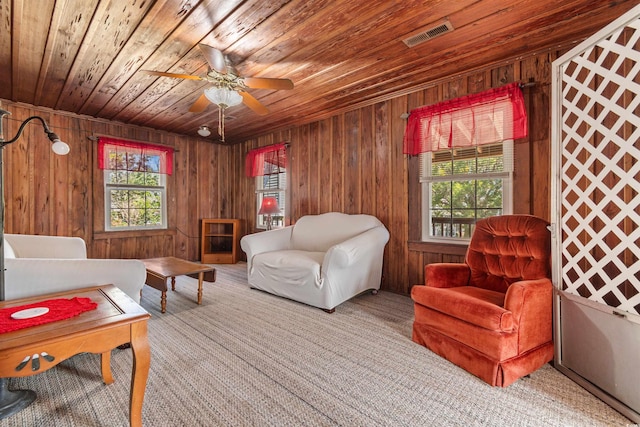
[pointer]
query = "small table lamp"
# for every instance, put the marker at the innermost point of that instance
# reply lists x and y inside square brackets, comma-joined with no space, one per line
[269,207]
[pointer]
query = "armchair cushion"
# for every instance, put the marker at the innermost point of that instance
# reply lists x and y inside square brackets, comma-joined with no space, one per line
[478,306]
[292,266]
[507,249]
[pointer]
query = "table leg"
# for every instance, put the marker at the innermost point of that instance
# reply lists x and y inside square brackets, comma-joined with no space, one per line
[105,364]
[163,302]
[200,278]
[173,283]
[140,371]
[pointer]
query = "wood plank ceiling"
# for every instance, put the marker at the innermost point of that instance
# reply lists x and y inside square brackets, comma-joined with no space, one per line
[86,56]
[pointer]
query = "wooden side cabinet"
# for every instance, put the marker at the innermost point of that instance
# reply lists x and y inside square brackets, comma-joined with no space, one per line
[220,242]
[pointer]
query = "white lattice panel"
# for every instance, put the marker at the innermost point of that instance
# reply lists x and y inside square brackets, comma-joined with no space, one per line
[600,171]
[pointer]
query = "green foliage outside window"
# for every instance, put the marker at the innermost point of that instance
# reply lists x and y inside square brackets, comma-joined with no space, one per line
[458,202]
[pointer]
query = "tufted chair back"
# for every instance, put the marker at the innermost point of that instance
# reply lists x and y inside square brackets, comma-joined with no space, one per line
[508,248]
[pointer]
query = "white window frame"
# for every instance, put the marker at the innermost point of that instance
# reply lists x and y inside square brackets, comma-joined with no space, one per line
[426,181]
[109,187]
[280,193]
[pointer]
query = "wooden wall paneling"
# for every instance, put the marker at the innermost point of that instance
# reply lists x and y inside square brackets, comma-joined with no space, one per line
[540,147]
[60,205]
[352,156]
[326,178]
[178,198]
[17,167]
[367,165]
[315,170]
[304,168]
[502,75]
[522,183]
[452,258]
[225,171]
[398,225]
[205,171]
[234,193]
[337,163]
[382,162]
[454,88]
[479,81]
[383,171]
[41,178]
[247,204]
[415,270]
[220,183]
[80,163]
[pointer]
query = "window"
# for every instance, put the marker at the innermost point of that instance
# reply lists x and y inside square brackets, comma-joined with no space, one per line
[269,167]
[134,186]
[460,186]
[466,158]
[272,184]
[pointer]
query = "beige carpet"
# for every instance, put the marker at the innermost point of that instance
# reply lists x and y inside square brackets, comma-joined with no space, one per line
[246,358]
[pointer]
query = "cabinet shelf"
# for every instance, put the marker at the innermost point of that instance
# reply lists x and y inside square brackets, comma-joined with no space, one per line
[220,241]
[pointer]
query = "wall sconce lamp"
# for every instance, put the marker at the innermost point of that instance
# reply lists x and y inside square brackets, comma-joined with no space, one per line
[13,401]
[204,131]
[269,207]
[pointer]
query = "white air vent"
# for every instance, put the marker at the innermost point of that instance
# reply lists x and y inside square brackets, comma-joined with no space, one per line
[428,34]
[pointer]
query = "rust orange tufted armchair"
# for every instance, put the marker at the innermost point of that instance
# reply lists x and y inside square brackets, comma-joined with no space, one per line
[491,315]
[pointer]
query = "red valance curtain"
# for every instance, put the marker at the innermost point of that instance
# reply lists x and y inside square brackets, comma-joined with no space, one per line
[140,150]
[272,155]
[482,118]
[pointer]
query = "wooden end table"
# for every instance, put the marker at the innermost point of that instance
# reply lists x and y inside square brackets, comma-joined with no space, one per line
[160,269]
[117,320]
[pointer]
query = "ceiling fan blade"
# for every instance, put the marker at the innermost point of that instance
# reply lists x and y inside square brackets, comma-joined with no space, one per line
[177,76]
[201,103]
[267,83]
[214,57]
[253,103]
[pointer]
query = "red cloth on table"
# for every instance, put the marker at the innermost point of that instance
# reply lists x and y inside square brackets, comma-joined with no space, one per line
[59,309]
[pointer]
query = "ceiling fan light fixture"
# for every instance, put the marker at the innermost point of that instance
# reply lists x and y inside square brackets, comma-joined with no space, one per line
[204,131]
[223,97]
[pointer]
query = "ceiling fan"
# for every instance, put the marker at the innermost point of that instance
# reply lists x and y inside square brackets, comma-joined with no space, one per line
[228,87]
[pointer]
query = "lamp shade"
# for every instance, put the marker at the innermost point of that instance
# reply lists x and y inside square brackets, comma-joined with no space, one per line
[223,96]
[61,148]
[204,131]
[269,206]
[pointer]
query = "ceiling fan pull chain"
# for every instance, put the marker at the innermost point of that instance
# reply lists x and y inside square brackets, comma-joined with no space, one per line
[221,121]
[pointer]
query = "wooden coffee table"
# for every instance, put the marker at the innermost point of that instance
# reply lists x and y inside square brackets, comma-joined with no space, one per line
[160,269]
[117,320]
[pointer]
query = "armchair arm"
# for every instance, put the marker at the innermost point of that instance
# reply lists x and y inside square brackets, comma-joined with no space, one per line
[359,247]
[446,275]
[267,241]
[36,246]
[531,303]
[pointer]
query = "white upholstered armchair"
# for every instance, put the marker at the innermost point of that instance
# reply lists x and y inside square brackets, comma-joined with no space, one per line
[36,265]
[322,260]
